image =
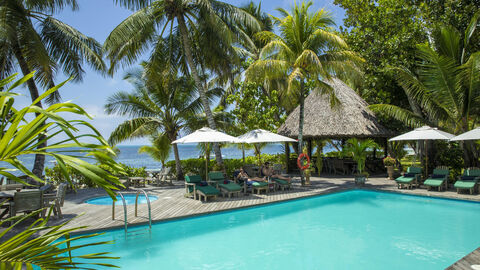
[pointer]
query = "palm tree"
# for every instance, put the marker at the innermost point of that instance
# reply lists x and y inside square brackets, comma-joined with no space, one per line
[193,20]
[306,52]
[250,45]
[358,150]
[36,41]
[160,148]
[445,84]
[161,103]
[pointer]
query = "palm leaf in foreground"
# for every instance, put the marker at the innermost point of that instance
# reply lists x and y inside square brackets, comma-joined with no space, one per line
[19,137]
[47,247]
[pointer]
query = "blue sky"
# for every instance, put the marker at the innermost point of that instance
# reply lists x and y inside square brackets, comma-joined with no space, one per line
[97,19]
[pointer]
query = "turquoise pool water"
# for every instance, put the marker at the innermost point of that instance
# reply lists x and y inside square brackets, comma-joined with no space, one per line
[129,199]
[349,230]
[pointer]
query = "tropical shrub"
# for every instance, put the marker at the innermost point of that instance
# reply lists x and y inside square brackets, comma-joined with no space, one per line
[128,171]
[197,165]
[451,155]
[55,175]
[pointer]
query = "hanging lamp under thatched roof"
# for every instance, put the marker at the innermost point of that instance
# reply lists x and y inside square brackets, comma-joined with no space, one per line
[350,118]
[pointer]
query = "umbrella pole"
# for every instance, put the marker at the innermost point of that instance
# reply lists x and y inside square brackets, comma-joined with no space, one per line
[243,153]
[426,158]
[206,162]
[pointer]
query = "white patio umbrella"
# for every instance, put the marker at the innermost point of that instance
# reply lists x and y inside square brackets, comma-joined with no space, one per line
[206,135]
[424,133]
[262,136]
[473,134]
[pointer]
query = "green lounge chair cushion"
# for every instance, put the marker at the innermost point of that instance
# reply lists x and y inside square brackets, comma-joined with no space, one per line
[415,170]
[409,179]
[404,180]
[434,182]
[216,176]
[230,186]
[259,184]
[441,172]
[472,173]
[208,190]
[281,181]
[464,184]
[193,179]
[437,178]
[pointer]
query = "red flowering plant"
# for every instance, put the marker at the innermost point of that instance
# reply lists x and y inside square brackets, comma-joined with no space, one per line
[389,161]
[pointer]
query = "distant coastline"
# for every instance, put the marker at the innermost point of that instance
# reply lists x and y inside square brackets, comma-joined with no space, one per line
[129,155]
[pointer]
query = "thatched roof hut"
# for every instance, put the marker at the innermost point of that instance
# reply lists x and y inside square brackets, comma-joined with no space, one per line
[350,118]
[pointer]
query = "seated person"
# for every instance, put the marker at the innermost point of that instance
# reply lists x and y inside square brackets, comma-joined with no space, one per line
[243,176]
[267,171]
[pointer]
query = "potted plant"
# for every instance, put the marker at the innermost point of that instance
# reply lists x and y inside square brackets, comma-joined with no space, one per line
[308,173]
[358,150]
[389,163]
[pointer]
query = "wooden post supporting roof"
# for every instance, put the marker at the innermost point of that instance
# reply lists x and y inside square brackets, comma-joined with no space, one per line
[309,148]
[287,156]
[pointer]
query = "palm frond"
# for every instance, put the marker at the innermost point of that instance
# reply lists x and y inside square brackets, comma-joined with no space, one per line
[405,116]
[48,247]
[438,72]
[160,148]
[416,89]
[130,38]
[20,137]
[69,47]
[261,69]
[134,128]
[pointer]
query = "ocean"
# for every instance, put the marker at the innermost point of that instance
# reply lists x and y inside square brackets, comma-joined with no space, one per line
[129,155]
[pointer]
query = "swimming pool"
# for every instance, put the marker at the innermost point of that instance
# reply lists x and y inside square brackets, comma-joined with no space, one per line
[348,230]
[129,199]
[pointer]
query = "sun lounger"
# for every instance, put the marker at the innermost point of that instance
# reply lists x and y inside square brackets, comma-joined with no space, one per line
[283,184]
[227,187]
[259,186]
[468,181]
[438,179]
[195,185]
[410,178]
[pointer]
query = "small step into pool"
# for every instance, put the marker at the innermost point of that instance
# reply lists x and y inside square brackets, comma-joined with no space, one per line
[348,230]
[129,199]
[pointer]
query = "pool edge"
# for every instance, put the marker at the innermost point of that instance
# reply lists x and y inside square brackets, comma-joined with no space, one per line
[263,204]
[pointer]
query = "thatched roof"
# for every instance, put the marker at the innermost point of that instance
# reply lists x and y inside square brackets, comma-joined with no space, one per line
[350,118]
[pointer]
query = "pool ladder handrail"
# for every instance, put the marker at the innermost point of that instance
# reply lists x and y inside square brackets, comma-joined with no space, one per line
[136,208]
[124,211]
[148,204]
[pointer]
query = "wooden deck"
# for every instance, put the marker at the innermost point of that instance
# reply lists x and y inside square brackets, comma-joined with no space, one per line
[172,204]
[469,262]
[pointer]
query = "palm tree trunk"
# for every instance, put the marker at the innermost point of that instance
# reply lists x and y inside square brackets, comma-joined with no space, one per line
[178,164]
[203,96]
[39,163]
[300,125]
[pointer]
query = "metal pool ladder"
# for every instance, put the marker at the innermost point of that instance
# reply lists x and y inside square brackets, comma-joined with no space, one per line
[136,208]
